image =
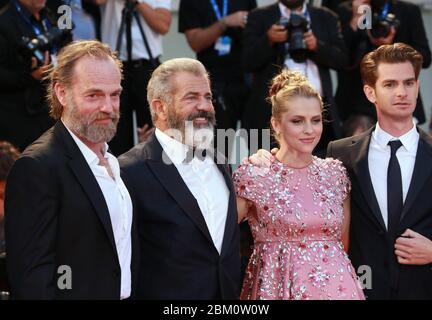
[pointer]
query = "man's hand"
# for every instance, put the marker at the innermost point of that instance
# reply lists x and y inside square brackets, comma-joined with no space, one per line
[262,158]
[277,34]
[145,132]
[386,40]
[310,41]
[39,72]
[413,248]
[236,19]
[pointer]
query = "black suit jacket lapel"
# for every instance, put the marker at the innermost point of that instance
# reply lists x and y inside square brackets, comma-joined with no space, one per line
[87,180]
[359,158]
[231,220]
[172,181]
[422,170]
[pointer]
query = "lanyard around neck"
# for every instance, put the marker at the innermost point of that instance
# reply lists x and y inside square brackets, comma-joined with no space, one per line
[217,11]
[35,27]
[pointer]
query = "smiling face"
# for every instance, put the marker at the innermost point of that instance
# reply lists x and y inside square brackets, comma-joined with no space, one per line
[395,91]
[191,101]
[91,104]
[300,126]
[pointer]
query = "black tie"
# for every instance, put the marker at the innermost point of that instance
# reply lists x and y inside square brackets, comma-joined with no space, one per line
[394,188]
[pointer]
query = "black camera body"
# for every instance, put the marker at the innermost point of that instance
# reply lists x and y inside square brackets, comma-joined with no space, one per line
[382,23]
[43,42]
[296,25]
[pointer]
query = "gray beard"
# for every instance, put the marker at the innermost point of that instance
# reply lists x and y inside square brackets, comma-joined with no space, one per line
[85,128]
[202,135]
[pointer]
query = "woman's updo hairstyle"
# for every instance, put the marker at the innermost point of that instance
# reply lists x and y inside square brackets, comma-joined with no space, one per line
[287,85]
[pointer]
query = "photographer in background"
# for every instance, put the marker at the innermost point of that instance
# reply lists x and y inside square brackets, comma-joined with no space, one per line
[214,30]
[155,18]
[23,110]
[270,44]
[393,21]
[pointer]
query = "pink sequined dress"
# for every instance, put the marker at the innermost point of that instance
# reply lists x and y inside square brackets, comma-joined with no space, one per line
[297,228]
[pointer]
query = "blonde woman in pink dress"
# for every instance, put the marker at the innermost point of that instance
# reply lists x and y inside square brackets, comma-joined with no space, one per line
[298,208]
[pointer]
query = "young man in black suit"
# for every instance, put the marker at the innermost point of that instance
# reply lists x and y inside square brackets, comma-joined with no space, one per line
[391,175]
[185,206]
[68,213]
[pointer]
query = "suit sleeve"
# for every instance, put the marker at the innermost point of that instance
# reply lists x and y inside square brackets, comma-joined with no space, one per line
[330,150]
[331,53]
[31,229]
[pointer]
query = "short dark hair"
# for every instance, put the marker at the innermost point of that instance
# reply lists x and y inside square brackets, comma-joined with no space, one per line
[8,155]
[390,53]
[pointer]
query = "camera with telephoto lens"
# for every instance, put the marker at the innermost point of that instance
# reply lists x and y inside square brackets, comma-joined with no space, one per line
[43,42]
[296,25]
[382,23]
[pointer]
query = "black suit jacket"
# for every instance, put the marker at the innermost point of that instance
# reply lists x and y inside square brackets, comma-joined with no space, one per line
[370,244]
[350,97]
[178,257]
[265,61]
[56,215]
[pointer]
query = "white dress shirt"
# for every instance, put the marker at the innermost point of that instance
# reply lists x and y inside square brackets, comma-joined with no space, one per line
[378,160]
[308,68]
[111,13]
[119,206]
[204,181]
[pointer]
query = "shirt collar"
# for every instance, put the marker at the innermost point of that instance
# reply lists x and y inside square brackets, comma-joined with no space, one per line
[90,157]
[409,140]
[175,150]
[285,12]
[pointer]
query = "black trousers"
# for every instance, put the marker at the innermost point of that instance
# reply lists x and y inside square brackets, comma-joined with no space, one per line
[137,74]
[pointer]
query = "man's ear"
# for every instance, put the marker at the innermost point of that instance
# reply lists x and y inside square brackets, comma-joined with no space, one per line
[370,93]
[160,108]
[60,92]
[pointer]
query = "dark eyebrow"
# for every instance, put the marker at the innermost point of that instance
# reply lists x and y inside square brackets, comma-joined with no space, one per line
[393,80]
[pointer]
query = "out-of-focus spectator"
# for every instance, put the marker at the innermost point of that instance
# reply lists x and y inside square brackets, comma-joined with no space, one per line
[8,155]
[350,97]
[331,4]
[155,18]
[268,48]
[23,110]
[214,30]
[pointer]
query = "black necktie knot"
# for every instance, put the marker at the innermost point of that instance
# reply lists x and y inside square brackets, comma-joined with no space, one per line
[394,146]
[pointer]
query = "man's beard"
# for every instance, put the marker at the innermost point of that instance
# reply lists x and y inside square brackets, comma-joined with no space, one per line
[292,4]
[202,134]
[85,126]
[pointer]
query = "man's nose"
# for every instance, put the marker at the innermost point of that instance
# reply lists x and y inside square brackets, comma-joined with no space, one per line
[401,91]
[107,105]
